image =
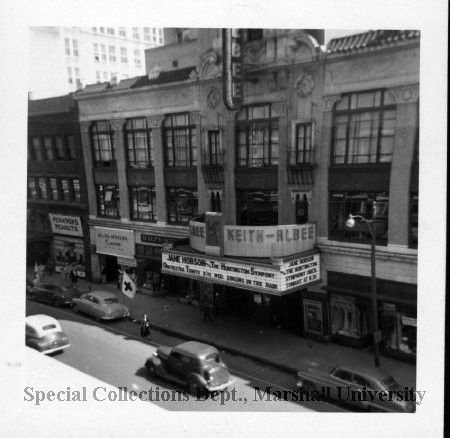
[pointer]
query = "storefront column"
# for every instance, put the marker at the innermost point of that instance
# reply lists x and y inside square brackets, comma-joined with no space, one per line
[117,127]
[323,157]
[405,131]
[88,165]
[199,119]
[158,166]
[229,198]
[284,201]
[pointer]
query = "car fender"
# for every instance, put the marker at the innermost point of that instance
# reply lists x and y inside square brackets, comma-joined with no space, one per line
[156,361]
[201,381]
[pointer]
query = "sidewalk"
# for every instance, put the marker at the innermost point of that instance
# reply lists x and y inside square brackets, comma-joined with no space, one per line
[272,346]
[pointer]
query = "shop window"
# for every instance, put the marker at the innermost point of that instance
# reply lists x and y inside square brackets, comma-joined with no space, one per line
[32,189]
[48,148]
[301,148]
[257,207]
[103,144]
[213,155]
[43,188]
[108,201]
[183,205]
[139,143]
[348,317]
[36,151]
[180,141]
[143,203]
[313,316]
[414,221]
[257,137]
[68,252]
[54,189]
[301,209]
[364,128]
[341,205]
[59,148]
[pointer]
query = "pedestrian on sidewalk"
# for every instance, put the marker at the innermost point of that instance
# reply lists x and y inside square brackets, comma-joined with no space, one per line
[73,277]
[145,327]
[103,271]
[206,309]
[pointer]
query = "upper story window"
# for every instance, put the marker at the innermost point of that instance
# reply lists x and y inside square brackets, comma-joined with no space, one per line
[112,53]
[301,148]
[108,201]
[135,33]
[146,33]
[96,53]
[213,156]
[48,148]
[74,47]
[257,207]
[102,144]
[364,128]
[414,221]
[70,148]
[342,204]
[103,48]
[59,147]
[123,55]
[36,149]
[139,143]
[180,141]
[143,203]
[122,32]
[110,30]
[102,30]
[257,137]
[70,49]
[54,189]
[76,190]
[137,58]
[32,189]
[182,205]
[43,188]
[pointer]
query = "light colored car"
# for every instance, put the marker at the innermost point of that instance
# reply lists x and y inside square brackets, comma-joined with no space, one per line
[101,305]
[197,365]
[353,385]
[44,333]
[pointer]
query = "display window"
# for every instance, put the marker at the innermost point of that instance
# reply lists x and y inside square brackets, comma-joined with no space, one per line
[71,253]
[348,316]
[313,316]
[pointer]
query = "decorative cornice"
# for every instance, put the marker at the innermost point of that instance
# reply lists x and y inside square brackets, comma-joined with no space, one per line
[304,85]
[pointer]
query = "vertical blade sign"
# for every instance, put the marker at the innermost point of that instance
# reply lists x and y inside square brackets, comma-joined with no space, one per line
[233,72]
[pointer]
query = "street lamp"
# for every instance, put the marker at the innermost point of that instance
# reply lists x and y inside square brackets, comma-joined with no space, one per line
[372,224]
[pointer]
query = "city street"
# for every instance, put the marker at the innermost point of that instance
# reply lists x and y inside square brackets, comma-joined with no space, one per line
[114,353]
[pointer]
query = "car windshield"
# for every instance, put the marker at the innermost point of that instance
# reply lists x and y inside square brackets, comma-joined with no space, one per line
[213,357]
[391,383]
[110,300]
[49,327]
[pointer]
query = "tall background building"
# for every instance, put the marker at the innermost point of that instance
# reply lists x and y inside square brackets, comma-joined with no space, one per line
[64,59]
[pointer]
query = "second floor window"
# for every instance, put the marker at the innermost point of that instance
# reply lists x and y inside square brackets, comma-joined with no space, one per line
[257,137]
[108,201]
[182,205]
[48,148]
[103,145]
[54,189]
[139,143]
[112,53]
[364,128]
[180,141]
[142,205]
[123,55]
[59,148]
[36,149]
[43,188]
[301,149]
[213,154]
[32,189]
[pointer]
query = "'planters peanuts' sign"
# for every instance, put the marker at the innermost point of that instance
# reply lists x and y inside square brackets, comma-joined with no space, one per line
[68,225]
[114,241]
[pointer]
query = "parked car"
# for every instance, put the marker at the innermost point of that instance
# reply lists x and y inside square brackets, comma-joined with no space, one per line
[197,365]
[53,294]
[353,385]
[101,305]
[43,333]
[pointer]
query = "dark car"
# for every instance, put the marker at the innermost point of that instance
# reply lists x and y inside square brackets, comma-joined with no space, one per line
[28,285]
[53,294]
[197,365]
[43,333]
[355,386]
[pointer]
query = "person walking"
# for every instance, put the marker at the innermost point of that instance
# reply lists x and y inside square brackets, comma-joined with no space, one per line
[145,327]
[73,277]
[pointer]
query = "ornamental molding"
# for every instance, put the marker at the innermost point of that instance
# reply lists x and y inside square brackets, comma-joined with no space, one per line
[85,127]
[300,194]
[210,65]
[213,97]
[117,124]
[255,50]
[304,85]
[215,192]
[196,116]
[155,121]
[231,116]
[329,101]
[280,109]
[405,93]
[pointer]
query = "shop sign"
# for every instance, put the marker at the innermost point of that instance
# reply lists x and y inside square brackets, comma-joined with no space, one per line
[197,235]
[268,279]
[268,241]
[157,240]
[114,241]
[408,320]
[68,225]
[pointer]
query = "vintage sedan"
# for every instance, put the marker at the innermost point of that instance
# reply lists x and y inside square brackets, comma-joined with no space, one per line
[197,365]
[43,333]
[101,305]
[53,294]
[360,387]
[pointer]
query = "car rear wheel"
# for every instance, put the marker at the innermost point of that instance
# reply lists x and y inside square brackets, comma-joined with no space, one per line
[151,369]
[193,386]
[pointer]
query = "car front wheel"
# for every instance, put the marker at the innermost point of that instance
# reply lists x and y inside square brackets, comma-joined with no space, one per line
[151,369]
[194,387]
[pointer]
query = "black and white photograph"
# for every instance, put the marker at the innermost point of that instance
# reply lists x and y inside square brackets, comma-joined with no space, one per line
[224,218]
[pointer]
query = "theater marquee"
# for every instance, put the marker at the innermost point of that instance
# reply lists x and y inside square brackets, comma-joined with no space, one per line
[273,279]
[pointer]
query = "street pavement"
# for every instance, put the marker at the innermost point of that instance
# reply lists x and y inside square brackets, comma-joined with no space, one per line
[272,346]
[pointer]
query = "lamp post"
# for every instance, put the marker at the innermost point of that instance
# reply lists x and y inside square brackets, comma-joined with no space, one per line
[372,224]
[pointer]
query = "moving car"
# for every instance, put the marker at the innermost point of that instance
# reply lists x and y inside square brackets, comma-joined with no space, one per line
[53,294]
[43,333]
[359,387]
[101,305]
[197,365]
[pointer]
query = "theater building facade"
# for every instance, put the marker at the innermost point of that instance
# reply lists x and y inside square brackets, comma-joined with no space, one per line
[247,206]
